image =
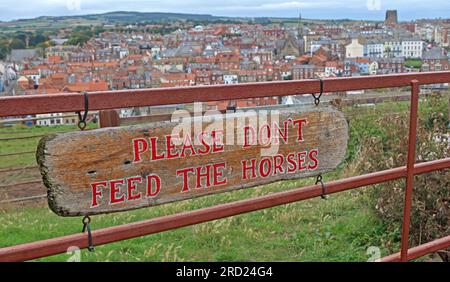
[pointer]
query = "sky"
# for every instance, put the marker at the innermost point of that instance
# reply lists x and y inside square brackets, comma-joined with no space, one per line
[313,9]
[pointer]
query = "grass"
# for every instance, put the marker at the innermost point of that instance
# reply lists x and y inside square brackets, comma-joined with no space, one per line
[25,145]
[414,63]
[341,228]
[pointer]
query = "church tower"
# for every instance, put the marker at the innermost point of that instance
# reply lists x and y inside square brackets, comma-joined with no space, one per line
[300,34]
[300,27]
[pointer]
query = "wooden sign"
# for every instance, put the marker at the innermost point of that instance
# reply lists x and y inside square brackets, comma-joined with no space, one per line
[120,169]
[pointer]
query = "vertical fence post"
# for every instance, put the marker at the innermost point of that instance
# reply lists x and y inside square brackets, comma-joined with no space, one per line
[109,118]
[415,90]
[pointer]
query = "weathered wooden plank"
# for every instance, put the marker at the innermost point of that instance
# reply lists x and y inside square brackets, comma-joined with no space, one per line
[109,118]
[120,169]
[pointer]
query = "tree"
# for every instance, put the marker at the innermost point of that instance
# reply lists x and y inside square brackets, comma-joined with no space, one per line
[46,44]
[4,49]
[3,52]
[16,43]
[37,39]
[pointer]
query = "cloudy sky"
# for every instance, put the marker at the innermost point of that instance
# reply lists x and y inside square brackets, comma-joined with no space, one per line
[326,9]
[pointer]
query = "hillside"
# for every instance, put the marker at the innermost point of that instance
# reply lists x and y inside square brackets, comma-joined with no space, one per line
[124,17]
[132,17]
[47,22]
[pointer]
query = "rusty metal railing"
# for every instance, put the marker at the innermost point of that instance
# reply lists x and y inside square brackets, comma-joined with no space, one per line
[73,102]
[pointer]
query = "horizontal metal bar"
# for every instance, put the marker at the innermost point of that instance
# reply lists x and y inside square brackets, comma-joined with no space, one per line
[21,138]
[128,231]
[421,250]
[14,169]
[13,132]
[20,120]
[25,199]
[107,100]
[21,184]
[17,154]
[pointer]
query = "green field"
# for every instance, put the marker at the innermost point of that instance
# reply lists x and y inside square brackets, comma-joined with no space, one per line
[338,229]
[24,145]
[414,63]
[341,228]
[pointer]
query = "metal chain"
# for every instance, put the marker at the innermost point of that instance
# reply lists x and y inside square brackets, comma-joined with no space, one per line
[317,98]
[320,180]
[87,227]
[82,123]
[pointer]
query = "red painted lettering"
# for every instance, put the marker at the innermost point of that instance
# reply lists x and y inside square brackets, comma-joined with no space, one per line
[292,165]
[265,135]
[302,160]
[153,185]
[140,146]
[247,130]
[188,146]
[218,146]
[300,123]
[285,133]
[172,153]
[185,172]
[207,147]
[155,157]
[116,189]
[278,164]
[246,168]
[217,173]
[313,156]
[204,175]
[265,167]
[131,187]
[97,193]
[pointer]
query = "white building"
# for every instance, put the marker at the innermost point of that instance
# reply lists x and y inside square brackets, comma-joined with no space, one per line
[412,48]
[316,44]
[374,48]
[331,69]
[426,32]
[230,79]
[126,113]
[50,119]
[393,48]
[354,49]
[156,50]
[123,53]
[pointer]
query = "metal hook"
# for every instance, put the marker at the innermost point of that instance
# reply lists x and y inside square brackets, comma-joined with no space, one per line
[82,123]
[319,180]
[317,98]
[87,226]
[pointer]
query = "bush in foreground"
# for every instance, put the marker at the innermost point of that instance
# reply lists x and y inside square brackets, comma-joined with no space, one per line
[430,213]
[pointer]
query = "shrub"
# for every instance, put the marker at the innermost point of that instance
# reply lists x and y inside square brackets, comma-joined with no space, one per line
[430,212]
